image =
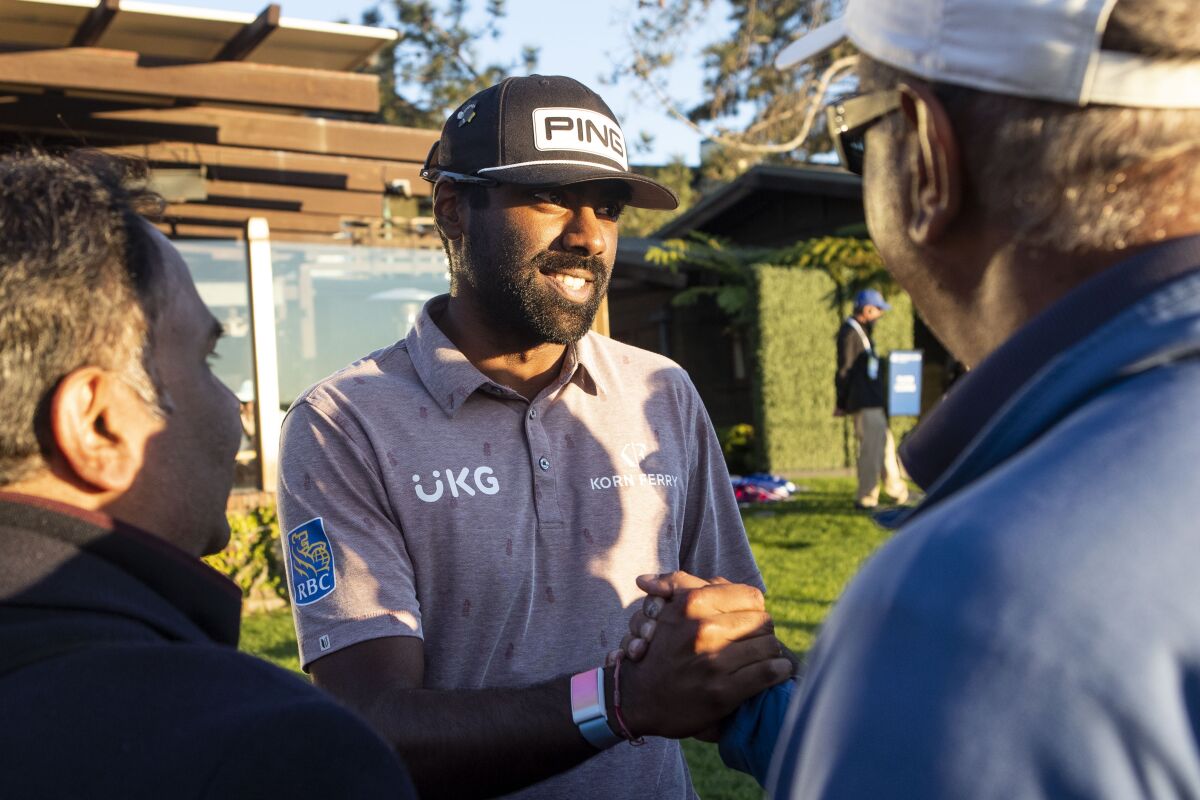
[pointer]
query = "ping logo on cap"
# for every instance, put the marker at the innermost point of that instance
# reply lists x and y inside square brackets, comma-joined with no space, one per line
[579,130]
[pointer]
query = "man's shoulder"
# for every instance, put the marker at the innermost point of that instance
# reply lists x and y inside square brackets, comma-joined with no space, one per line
[202,684]
[847,335]
[626,362]
[198,710]
[1041,609]
[1091,522]
[382,373]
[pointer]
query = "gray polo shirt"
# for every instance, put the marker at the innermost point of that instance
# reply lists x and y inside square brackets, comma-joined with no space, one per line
[423,499]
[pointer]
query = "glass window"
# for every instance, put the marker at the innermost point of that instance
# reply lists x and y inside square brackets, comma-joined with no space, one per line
[334,305]
[219,269]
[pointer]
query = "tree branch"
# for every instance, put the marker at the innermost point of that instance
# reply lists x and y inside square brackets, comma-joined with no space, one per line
[735,141]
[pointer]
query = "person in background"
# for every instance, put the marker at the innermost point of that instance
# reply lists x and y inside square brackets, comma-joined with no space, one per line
[862,395]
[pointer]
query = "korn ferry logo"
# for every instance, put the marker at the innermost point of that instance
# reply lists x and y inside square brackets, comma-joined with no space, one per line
[312,562]
[464,481]
[633,453]
[579,130]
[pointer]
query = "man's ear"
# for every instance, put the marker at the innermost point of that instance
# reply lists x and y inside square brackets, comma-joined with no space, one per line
[936,174]
[446,209]
[100,427]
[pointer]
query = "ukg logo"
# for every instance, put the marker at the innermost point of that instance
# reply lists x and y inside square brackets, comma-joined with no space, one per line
[464,481]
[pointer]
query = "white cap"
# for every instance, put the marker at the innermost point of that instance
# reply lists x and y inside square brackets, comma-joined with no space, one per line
[1043,49]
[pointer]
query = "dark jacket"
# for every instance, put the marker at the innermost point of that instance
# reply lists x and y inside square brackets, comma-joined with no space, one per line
[856,389]
[119,677]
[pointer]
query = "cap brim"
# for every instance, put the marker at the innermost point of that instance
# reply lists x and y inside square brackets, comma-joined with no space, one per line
[813,43]
[643,192]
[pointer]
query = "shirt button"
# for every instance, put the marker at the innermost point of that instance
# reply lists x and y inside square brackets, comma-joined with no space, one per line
[544,463]
[532,413]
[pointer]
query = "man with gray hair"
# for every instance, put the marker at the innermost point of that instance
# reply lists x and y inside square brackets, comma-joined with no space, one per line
[1032,179]
[119,672]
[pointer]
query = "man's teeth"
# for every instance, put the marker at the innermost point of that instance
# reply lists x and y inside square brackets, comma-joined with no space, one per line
[570,281]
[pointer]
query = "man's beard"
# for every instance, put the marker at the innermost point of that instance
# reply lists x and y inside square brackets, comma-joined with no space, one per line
[515,299]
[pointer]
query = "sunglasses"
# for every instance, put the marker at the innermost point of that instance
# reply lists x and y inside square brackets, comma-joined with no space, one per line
[458,177]
[849,119]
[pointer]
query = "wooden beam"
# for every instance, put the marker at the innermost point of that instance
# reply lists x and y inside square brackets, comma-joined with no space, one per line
[95,23]
[70,117]
[278,220]
[276,166]
[251,36]
[220,126]
[317,201]
[366,239]
[264,356]
[94,69]
[304,134]
[178,231]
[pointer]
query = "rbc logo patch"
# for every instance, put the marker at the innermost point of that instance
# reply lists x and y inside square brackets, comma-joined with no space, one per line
[312,562]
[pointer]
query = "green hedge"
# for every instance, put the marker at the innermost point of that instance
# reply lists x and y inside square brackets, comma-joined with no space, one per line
[794,388]
[794,340]
[253,559]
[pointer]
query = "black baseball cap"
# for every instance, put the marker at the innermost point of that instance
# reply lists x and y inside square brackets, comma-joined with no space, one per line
[541,130]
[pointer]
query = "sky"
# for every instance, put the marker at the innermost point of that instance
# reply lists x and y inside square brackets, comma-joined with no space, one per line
[570,44]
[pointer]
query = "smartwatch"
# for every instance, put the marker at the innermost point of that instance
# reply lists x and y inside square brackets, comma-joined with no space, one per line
[587,709]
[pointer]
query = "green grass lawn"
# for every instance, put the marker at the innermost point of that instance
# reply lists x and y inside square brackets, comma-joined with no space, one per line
[807,549]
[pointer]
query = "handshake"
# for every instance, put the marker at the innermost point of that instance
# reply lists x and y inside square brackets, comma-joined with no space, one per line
[695,651]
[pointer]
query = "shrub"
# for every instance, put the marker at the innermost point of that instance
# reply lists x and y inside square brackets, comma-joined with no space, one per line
[253,559]
[794,394]
[737,443]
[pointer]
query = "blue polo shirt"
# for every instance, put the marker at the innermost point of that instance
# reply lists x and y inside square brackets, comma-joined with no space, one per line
[1034,627]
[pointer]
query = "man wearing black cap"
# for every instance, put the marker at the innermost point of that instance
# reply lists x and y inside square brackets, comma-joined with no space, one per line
[468,509]
[860,391]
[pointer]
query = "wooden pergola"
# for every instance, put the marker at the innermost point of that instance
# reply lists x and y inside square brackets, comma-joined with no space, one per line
[238,115]
[255,128]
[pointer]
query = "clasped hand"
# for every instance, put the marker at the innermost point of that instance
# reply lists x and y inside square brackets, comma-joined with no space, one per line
[714,646]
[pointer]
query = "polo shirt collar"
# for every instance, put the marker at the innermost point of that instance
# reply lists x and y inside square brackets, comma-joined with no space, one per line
[447,374]
[979,395]
[451,378]
[584,359]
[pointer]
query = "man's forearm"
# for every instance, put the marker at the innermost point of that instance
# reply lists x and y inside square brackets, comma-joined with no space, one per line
[481,742]
[714,651]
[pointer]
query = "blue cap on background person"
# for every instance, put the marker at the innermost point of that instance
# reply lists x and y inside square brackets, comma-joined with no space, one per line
[871,297]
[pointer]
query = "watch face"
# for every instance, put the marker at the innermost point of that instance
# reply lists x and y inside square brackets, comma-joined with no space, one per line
[585,693]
